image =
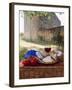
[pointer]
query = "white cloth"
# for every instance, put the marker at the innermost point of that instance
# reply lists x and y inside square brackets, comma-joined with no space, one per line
[47,59]
[39,55]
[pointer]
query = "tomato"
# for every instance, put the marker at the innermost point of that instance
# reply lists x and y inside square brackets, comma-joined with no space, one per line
[26,62]
[33,60]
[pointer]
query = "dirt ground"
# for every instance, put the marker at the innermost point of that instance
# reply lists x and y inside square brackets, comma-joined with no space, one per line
[31,45]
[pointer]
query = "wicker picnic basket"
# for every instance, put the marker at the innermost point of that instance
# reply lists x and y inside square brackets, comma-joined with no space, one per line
[44,71]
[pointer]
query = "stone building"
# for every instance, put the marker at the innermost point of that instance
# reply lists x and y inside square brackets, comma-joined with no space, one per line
[41,27]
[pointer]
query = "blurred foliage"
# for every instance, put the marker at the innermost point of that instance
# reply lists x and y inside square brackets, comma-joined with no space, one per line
[21,53]
[39,13]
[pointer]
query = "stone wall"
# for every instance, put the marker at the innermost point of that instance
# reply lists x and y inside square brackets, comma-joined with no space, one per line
[31,27]
[48,34]
[36,28]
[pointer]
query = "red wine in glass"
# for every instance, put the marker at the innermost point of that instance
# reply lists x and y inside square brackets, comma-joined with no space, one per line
[47,49]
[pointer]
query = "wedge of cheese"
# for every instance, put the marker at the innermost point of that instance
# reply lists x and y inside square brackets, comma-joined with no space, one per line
[48,60]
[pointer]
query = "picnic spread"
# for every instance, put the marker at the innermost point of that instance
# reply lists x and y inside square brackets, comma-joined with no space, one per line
[46,57]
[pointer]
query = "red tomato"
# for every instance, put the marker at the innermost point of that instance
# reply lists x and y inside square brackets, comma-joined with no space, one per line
[33,60]
[26,63]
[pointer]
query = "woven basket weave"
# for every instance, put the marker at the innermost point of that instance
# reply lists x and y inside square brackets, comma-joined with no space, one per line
[56,70]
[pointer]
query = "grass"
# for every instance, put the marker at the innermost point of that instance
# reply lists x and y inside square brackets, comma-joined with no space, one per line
[21,53]
[43,42]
